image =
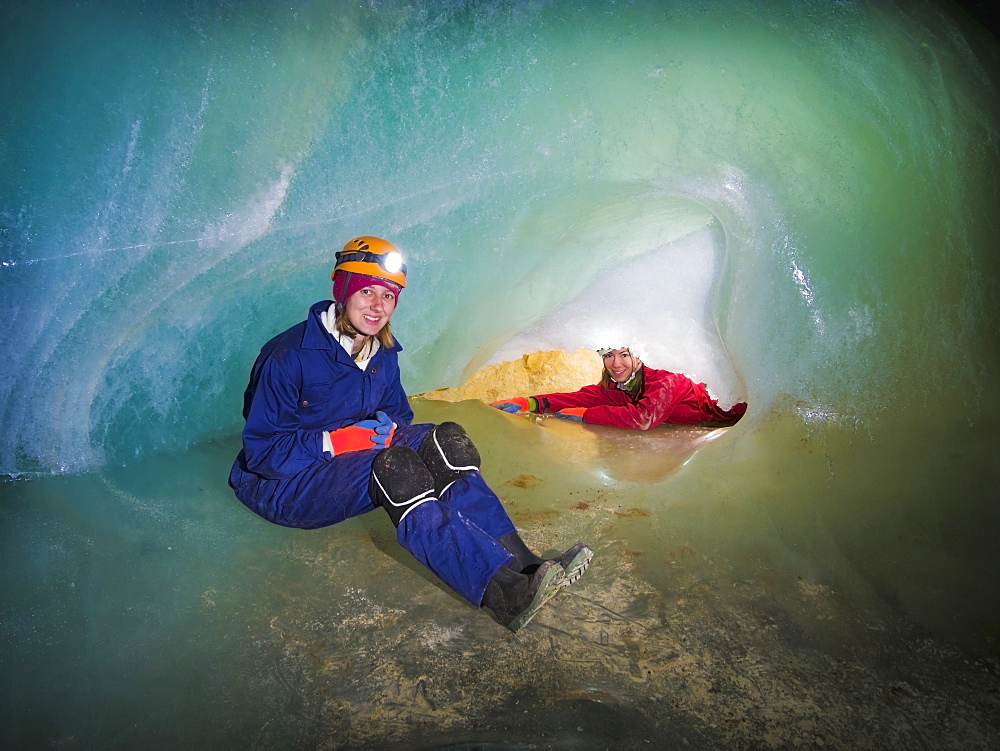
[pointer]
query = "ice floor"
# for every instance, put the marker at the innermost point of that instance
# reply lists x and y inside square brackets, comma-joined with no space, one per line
[145,607]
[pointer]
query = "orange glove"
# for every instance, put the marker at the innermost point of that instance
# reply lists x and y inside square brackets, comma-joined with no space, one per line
[367,434]
[571,413]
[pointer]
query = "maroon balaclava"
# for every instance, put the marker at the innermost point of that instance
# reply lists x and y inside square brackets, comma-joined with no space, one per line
[346,283]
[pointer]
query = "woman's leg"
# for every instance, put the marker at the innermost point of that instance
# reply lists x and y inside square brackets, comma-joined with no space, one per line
[447,542]
[460,553]
[453,461]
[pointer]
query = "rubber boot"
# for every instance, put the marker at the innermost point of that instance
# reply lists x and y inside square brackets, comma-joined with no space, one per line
[574,560]
[524,560]
[448,453]
[515,598]
[400,482]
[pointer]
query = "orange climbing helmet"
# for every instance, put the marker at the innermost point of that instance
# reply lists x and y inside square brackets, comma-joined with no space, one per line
[374,257]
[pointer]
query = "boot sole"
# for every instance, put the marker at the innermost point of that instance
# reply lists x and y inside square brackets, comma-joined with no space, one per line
[576,566]
[546,590]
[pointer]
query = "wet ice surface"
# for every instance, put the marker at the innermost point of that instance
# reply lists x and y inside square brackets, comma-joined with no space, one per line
[145,606]
[612,664]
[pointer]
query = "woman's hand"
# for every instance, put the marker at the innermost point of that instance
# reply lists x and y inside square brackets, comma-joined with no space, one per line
[366,434]
[514,404]
[384,431]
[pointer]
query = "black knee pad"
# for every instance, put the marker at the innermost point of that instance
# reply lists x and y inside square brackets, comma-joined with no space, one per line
[400,482]
[448,453]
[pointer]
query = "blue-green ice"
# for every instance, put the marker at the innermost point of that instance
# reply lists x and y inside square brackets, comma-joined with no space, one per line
[795,202]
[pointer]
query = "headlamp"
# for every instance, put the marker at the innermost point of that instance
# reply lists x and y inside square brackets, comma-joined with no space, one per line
[391,262]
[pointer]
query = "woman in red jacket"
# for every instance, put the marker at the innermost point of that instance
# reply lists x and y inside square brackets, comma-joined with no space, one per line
[631,395]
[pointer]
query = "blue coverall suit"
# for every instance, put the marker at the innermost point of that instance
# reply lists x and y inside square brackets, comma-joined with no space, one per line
[304,383]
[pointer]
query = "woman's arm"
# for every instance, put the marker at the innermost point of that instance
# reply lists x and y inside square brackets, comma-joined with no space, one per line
[275,443]
[588,396]
[663,392]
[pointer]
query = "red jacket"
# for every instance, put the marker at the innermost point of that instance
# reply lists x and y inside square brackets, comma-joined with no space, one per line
[664,398]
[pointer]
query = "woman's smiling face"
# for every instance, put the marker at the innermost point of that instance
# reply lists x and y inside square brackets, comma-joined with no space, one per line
[620,364]
[370,308]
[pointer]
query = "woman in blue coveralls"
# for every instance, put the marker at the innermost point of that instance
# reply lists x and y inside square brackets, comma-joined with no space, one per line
[329,435]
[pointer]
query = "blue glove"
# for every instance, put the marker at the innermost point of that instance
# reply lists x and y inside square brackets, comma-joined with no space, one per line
[384,430]
[516,404]
[571,413]
[507,407]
